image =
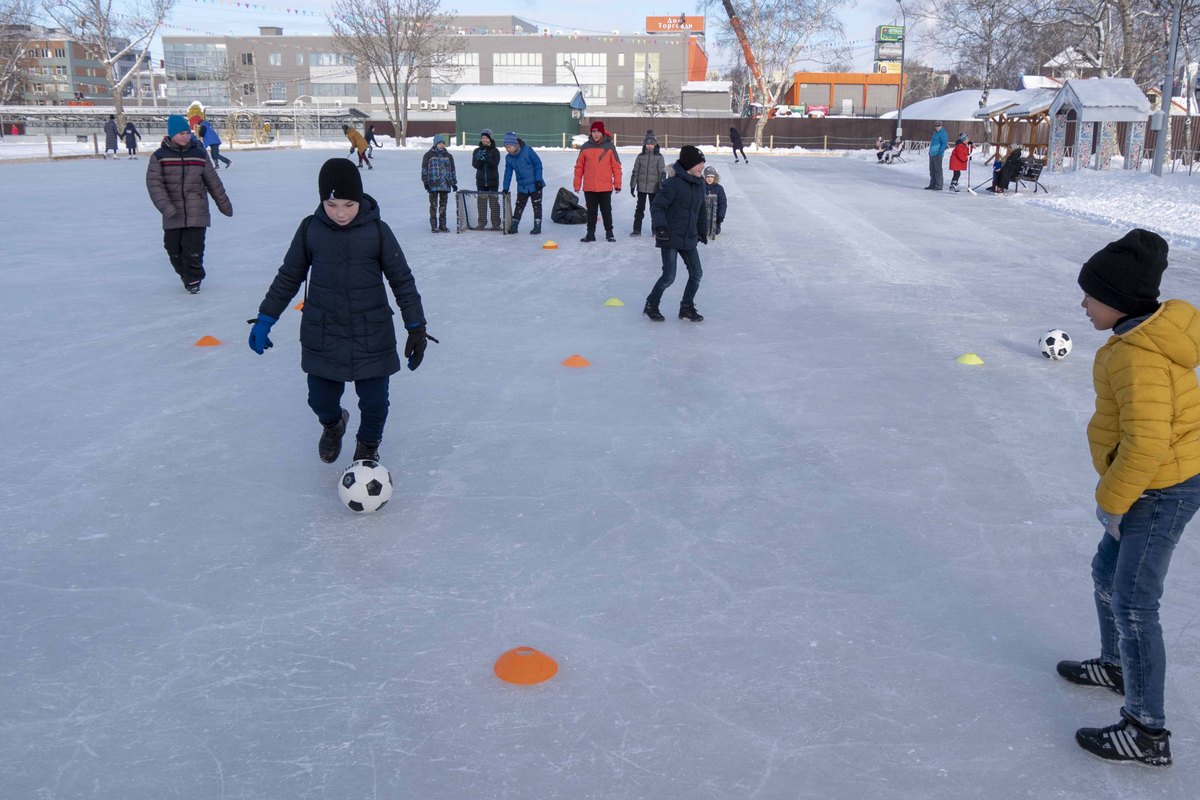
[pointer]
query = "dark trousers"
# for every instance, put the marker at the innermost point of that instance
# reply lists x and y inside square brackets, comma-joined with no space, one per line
[954,177]
[437,209]
[534,197]
[691,260]
[603,202]
[215,149]
[639,213]
[935,172]
[185,248]
[742,150]
[325,398]
[484,202]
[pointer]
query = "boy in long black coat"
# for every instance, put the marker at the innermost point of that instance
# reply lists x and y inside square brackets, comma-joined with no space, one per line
[676,218]
[486,160]
[346,332]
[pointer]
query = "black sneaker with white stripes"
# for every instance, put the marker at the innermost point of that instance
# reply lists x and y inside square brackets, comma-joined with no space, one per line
[1093,672]
[1128,740]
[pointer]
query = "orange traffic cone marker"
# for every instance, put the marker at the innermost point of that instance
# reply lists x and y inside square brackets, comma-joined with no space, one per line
[207,341]
[576,361]
[300,306]
[550,245]
[525,665]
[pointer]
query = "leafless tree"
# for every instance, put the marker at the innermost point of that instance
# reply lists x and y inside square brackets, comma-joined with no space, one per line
[656,98]
[396,42]
[109,31]
[739,88]
[778,34]
[16,27]
[1127,38]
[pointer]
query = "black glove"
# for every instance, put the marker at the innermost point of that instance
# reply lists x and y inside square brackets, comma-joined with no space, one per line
[703,239]
[662,234]
[414,348]
[633,191]
[427,188]
[455,187]
[717,232]
[539,185]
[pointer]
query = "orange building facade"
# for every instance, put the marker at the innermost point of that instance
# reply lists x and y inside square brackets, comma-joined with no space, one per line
[847,93]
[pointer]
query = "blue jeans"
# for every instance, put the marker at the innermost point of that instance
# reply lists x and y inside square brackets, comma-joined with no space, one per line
[325,398]
[670,260]
[1128,577]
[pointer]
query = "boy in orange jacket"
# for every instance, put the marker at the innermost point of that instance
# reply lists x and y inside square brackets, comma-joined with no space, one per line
[1145,443]
[598,173]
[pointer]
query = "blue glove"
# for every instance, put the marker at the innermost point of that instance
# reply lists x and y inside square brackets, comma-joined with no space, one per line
[258,334]
[1111,522]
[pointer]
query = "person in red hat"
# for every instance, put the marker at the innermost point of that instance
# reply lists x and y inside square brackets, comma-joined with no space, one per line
[598,174]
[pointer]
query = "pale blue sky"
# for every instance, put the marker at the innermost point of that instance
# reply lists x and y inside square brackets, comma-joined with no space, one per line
[222,17]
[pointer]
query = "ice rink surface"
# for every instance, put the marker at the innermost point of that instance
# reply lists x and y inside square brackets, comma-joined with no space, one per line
[794,551]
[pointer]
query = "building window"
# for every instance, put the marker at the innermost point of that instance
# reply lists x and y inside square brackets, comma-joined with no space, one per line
[334,90]
[620,91]
[247,59]
[277,91]
[620,59]
[330,59]
[645,67]
[275,59]
[516,68]
[60,70]
[60,52]
[247,89]
[299,59]
[45,52]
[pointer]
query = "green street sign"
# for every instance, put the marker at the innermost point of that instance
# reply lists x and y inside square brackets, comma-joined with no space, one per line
[889,33]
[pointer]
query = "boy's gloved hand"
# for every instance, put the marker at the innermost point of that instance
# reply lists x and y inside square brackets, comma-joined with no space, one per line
[1111,522]
[539,185]
[662,234]
[632,190]
[718,229]
[414,348]
[259,341]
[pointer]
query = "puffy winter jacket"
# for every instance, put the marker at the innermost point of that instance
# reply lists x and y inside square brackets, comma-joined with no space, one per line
[527,167]
[486,160]
[598,169]
[1145,433]
[437,170]
[346,331]
[939,142]
[677,205]
[735,138]
[649,171]
[179,180]
[959,156]
[357,140]
[717,192]
[208,135]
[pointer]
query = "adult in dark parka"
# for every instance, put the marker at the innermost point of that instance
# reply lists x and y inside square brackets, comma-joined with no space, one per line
[111,135]
[735,139]
[675,216]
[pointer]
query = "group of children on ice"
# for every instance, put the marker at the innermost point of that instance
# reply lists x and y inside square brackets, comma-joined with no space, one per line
[1144,435]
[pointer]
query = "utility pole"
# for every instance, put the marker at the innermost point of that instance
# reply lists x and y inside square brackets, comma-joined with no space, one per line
[1168,92]
[900,107]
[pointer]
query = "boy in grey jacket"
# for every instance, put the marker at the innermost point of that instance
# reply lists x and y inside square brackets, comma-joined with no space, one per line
[649,172]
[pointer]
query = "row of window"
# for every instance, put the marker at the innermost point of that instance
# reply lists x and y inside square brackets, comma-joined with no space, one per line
[314,59]
[44,52]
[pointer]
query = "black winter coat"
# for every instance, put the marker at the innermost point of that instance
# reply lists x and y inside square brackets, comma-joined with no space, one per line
[677,205]
[486,161]
[735,138]
[346,331]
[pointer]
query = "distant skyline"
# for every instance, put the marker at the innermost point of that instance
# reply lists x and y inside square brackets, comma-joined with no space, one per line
[225,17]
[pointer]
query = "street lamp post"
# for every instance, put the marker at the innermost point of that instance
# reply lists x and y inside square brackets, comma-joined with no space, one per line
[1168,92]
[900,108]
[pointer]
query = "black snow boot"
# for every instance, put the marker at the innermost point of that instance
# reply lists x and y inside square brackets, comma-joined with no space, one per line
[193,287]
[635,233]
[1094,672]
[366,451]
[537,228]
[608,237]
[651,311]
[689,312]
[591,237]
[1128,740]
[512,226]
[330,446]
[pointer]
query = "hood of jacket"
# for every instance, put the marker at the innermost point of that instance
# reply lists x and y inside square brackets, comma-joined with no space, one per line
[682,173]
[605,143]
[434,149]
[368,212]
[1173,331]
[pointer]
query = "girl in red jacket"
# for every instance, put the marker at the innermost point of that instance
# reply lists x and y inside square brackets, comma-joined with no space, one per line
[958,159]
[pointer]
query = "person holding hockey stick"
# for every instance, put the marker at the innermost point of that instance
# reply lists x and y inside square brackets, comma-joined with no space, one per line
[1145,443]
[960,159]
[357,144]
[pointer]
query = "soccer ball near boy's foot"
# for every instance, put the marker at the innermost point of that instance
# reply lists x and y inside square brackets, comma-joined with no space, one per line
[1056,345]
[365,486]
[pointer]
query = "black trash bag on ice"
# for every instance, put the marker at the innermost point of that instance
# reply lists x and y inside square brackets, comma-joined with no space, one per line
[567,210]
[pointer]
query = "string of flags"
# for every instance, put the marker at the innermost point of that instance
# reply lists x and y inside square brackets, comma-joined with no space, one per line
[299,12]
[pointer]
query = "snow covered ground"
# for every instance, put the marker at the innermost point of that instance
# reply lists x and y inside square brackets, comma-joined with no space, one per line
[792,551]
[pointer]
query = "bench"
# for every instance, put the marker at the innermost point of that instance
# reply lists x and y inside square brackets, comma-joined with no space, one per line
[1031,172]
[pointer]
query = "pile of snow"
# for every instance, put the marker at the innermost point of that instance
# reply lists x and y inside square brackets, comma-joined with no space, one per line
[957,106]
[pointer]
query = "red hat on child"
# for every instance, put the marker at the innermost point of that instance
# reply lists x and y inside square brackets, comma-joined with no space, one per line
[598,125]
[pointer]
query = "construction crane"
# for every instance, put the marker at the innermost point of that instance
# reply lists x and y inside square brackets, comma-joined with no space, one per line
[751,64]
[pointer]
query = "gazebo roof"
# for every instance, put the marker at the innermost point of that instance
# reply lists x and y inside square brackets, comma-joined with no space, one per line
[1026,103]
[1103,100]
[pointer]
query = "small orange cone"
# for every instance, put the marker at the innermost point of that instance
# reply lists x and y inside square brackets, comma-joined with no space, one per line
[207,341]
[525,665]
[300,306]
[577,361]
[550,245]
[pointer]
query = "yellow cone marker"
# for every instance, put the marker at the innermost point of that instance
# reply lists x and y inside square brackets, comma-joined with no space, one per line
[550,245]
[525,665]
[207,341]
[612,301]
[577,361]
[969,359]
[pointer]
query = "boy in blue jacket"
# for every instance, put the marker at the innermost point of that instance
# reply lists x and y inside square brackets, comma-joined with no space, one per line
[528,168]
[675,216]
[345,251]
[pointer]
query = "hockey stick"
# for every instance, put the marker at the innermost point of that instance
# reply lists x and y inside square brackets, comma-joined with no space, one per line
[969,188]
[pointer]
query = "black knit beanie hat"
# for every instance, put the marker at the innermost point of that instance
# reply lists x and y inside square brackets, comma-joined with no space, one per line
[340,180]
[690,156]
[1126,273]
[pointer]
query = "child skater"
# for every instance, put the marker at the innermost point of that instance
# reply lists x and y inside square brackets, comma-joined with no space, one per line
[958,159]
[675,219]
[714,203]
[1145,442]
[345,251]
[357,144]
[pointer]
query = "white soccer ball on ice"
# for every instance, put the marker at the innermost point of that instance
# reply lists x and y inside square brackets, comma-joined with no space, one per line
[1056,344]
[365,486]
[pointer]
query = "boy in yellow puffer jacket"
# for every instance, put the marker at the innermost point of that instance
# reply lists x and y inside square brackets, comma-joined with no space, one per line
[1145,443]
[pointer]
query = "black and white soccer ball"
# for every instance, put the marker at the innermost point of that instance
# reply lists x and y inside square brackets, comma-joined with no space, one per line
[365,486]
[1056,344]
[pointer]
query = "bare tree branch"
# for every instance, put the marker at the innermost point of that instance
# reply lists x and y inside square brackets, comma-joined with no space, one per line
[16,26]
